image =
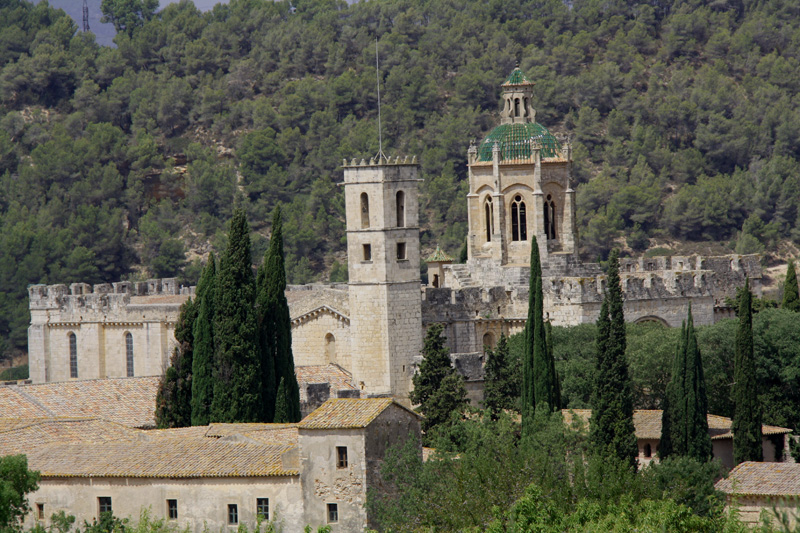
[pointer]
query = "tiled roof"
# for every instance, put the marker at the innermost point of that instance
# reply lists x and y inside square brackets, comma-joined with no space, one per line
[127,401]
[517,77]
[347,413]
[266,433]
[762,479]
[438,257]
[514,141]
[28,434]
[337,376]
[647,423]
[163,457]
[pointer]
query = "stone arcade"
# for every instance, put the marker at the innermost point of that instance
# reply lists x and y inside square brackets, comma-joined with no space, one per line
[372,327]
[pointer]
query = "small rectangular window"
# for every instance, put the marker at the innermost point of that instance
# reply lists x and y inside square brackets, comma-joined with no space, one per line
[262,508]
[367,252]
[401,251]
[233,514]
[104,504]
[40,511]
[172,509]
[333,513]
[341,457]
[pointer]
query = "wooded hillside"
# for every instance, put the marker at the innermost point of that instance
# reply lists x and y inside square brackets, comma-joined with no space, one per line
[127,161]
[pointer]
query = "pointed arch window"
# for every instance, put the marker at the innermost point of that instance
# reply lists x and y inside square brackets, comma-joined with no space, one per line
[73,356]
[129,353]
[364,210]
[400,207]
[519,220]
[550,217]
[488,209]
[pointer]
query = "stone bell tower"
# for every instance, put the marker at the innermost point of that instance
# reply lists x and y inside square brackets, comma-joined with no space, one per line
[381,202]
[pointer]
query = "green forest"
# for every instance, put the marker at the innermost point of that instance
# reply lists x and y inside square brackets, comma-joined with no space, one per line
[126,162]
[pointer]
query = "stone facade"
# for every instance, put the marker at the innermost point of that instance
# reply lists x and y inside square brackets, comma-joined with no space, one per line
[382,202]
[87,332]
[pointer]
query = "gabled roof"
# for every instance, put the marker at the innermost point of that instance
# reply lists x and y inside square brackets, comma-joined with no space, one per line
[348,413]
[333,374]
[647,424]
[762,479]
[127,401]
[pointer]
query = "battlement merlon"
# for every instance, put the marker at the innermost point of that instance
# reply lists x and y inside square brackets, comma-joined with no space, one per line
[57,296]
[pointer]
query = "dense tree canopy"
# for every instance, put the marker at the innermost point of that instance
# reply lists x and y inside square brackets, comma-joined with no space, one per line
[116,162]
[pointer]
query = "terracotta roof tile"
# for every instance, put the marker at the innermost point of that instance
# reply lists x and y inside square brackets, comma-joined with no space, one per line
[347,413]
[128,401]
[29,434]
[163,457]
[647,423]
[762,479]
[337,376]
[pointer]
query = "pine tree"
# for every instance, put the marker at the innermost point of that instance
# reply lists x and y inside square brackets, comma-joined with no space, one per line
[791,298]
[275,329]
[500,391]
[684,428]
[203,362]
[281,414]
[438,389]
[237,369]
[612,416]
[747,414]
[174,397]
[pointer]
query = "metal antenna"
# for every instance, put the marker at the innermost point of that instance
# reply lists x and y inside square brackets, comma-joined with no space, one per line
[380,154]
[85,16]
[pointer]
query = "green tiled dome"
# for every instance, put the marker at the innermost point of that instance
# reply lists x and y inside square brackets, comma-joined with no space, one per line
[517,77]
[515,141]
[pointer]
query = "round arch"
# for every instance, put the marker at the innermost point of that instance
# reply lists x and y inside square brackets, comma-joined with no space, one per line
[652,319]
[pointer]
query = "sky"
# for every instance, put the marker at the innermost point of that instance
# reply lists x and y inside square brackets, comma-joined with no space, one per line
[105,32]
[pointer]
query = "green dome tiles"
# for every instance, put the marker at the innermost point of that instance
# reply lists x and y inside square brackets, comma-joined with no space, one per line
[515,142]
[517,77]
[439,256]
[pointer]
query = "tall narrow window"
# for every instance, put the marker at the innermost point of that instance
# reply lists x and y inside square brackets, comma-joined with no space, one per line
[172,509]
[367,249]
[401,251]
[550,217]
[489,213]
[330,347]
[519,222]
[341,457]
[129,353]
[262,508]
[233,514]
[400,206]
[525,104]
[73,356]
[40,511]
[516,107]
[364,210]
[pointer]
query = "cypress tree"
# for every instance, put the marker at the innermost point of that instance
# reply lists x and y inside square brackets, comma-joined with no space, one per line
[612,416]
[684,429]
[791,298]
[281,414]
[237,369]
[275,329]
[174,397]
[747,415]
[203,361]
[544,389]
[499,390]
[548,336]
[672,415]
[528,407]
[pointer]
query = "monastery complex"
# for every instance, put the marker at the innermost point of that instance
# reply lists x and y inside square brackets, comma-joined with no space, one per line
[520,179]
